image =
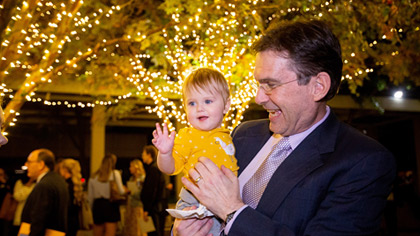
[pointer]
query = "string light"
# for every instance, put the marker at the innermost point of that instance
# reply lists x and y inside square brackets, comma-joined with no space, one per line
[398,94]
[191,41]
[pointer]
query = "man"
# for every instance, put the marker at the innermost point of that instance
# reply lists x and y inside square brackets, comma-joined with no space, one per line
[46,206]
[333,180]
[154,193]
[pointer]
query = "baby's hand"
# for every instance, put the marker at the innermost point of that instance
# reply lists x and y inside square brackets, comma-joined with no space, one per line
[162,140]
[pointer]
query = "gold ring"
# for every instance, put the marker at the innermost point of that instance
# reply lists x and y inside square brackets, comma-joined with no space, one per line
[198,179]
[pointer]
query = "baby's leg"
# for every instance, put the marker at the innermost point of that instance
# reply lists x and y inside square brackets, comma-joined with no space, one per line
[186,199]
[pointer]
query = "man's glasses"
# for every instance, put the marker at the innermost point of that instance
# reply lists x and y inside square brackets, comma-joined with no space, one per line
[28,162]
[270,86]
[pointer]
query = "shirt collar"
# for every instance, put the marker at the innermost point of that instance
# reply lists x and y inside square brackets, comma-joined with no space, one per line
[296,139]
[41,176]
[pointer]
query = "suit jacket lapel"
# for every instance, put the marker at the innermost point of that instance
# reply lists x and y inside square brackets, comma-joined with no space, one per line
[250,144]
[302,161]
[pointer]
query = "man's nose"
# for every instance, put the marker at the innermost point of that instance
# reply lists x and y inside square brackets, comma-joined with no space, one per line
[261,97]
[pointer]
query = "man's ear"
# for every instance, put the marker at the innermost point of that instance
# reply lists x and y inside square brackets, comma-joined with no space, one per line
[42,163]
[227,106]
[321,86]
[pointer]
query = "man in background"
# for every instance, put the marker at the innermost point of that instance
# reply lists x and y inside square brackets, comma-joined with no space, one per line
[154,192]
[46,206]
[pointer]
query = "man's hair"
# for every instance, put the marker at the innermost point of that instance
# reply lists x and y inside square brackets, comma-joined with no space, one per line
[150,149]
[47,156]
[206,79]
[311,47]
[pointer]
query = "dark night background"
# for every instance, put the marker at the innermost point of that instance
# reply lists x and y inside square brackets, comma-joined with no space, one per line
[66,131]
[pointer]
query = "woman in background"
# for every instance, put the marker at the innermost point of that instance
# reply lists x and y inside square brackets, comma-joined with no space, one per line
[134,205]
[23,187]
[106,214]
[4,190]
[70,170]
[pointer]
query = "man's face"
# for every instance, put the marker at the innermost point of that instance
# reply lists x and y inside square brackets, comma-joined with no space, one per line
[3,139]
[291,107]
[145,157]
[35,167]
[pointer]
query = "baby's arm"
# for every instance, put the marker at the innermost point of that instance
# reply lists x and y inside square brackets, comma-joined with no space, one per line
[165,144]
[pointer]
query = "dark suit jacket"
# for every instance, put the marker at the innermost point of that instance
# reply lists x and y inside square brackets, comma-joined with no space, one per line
[334,183]
[73,211]
[153,195]
[46,206]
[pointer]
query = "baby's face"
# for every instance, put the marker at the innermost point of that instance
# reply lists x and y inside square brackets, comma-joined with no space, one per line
[205,110]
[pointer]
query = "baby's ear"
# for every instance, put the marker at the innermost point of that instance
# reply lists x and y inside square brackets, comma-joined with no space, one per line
[227,106]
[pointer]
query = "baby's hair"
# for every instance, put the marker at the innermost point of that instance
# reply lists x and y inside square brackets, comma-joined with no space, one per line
[209,80]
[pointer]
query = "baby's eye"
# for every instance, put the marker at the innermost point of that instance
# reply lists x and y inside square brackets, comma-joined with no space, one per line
[208,101]
[191,104]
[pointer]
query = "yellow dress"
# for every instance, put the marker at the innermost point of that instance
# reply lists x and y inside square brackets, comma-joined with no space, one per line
[191,143]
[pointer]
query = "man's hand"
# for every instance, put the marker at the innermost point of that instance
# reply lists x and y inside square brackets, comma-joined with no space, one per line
[217,189]
[192,226]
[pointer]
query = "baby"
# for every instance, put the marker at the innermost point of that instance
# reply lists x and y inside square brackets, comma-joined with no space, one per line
[206,101]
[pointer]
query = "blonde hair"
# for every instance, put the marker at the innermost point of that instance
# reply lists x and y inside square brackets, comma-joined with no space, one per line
[206,79]
[107,166]
[139,168]
[73,167]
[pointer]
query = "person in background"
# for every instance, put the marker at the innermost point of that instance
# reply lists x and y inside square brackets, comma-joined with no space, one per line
[106,214]
[47,205]
[23,187]
[134,213]
[154,194]
[71,172]
[302,171]
[169,187]
[4,189]
[3,139]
